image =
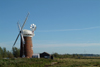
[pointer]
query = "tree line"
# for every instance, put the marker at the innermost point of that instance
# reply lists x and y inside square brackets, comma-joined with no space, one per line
[75,55]
[15,52]
[66,55]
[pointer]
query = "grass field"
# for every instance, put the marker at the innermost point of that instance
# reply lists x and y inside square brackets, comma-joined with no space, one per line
[68,62]
[65,62]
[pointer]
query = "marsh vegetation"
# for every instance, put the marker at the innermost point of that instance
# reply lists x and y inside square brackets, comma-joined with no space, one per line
[57,62]
[7,59]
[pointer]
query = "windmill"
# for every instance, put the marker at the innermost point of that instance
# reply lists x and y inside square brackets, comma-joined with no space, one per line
[26,47]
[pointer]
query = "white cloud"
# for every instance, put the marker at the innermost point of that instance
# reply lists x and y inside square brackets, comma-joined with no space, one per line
[68,29]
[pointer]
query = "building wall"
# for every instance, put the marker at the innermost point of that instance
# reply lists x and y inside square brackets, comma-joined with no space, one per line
[45,55]
[28,47]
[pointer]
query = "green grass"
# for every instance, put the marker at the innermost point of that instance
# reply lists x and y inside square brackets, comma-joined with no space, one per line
[68,62]
[65,62]
[24,62]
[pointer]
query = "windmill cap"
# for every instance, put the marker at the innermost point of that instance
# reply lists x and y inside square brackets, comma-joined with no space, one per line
[27,33]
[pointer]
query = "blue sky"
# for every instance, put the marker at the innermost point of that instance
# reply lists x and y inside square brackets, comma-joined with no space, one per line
[63,26]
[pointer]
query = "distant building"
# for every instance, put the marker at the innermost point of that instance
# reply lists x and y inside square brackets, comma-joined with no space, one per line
[46,55]
[36,56]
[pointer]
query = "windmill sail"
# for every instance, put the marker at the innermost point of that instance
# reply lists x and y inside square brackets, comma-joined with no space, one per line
[25,21]
[20,33]
[16,39]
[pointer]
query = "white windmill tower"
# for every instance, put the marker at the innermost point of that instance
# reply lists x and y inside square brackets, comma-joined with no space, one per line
[26,47]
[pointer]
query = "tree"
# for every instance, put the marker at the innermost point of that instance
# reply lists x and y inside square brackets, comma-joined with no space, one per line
[1,52]
[10,55]
[4,53]
[16,52]
[56,55]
